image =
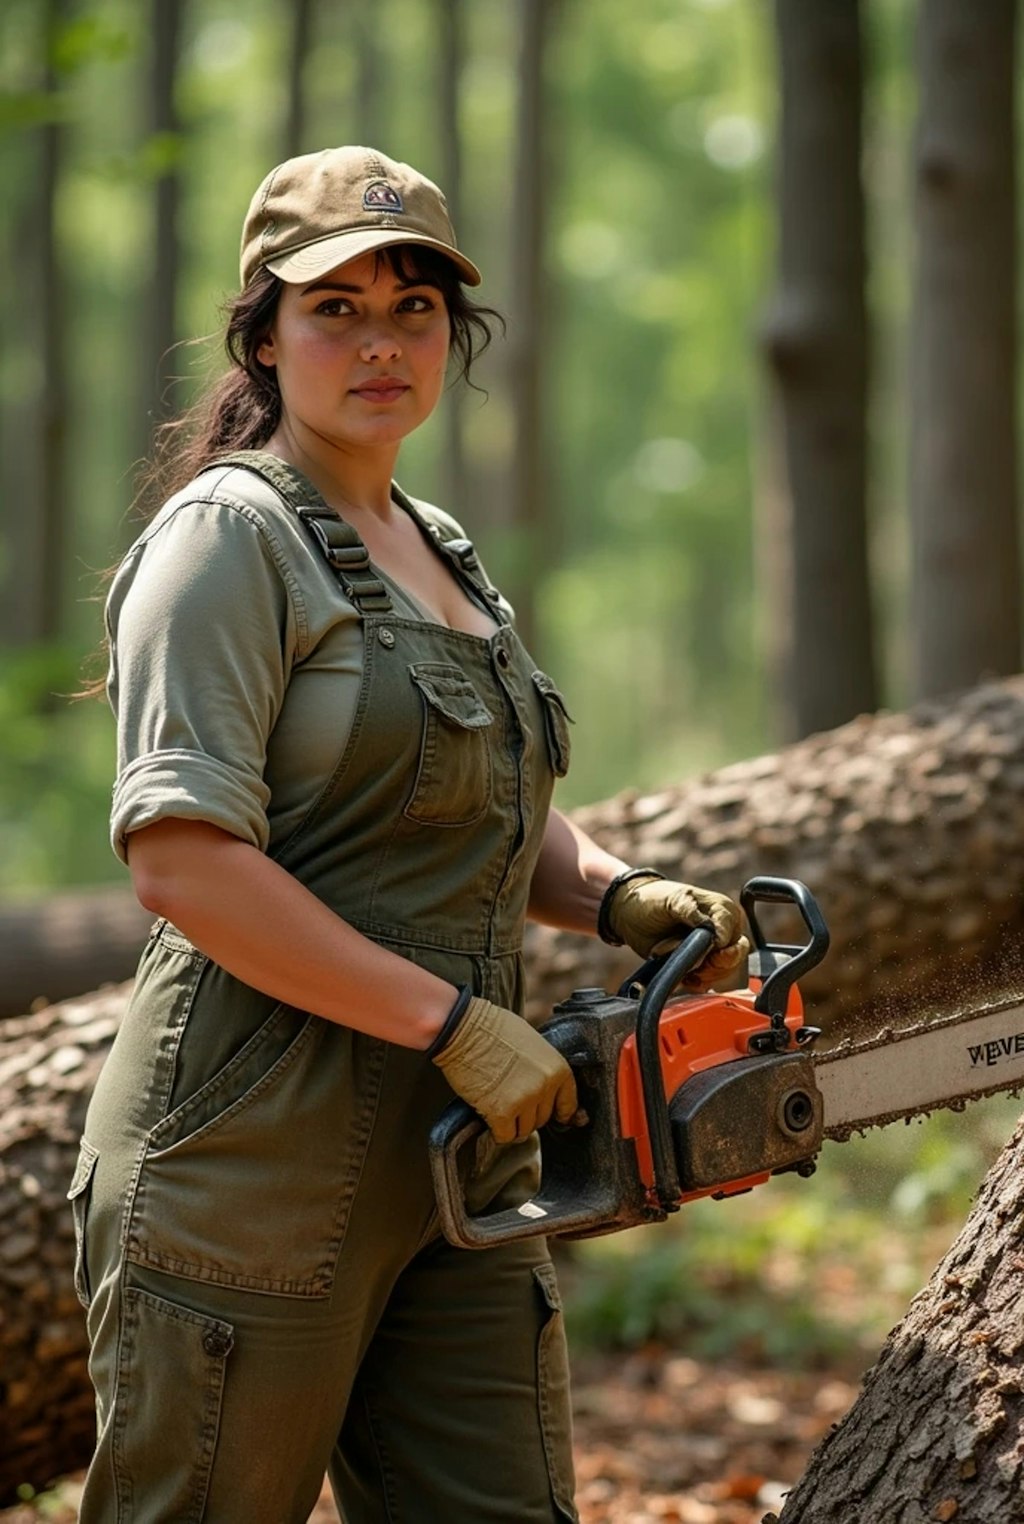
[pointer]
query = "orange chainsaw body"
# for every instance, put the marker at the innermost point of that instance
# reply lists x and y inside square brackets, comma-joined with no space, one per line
[696,1032]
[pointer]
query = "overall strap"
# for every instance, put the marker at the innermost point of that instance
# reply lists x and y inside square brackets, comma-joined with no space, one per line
[342,548]
[459,552]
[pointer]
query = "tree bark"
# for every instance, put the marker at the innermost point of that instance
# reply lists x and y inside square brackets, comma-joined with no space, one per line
[907,827]
[965,562]
[48,1065]
[938,1430]
[816,345]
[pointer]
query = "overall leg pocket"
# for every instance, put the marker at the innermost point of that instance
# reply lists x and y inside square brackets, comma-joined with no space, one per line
[79,1192]
[167,1407]
[553,1391]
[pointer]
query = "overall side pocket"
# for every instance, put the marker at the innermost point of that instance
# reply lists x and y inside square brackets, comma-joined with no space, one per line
[553,1392]
[78,1194]
[557,720]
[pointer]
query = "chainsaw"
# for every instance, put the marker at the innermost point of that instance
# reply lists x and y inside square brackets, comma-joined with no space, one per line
[712,1095]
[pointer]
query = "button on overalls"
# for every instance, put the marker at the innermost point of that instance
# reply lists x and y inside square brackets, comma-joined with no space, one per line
[267,1292]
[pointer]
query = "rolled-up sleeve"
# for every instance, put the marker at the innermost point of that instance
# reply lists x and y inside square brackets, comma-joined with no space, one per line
[202,628]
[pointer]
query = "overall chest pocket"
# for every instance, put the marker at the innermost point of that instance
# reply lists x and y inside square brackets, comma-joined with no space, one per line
[453,774]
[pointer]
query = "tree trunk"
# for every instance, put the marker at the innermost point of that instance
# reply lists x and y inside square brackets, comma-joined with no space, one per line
[54,506]
[531,196]
[963,469]
[35,415]
[450,55]
[938,1430]
[816,344]
[300,13]
[907,827]
[160,310]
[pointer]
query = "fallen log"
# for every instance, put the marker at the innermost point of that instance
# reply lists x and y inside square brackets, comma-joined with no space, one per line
[55,946]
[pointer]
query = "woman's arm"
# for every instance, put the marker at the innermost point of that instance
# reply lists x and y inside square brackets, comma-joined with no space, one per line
[256,920]
[570,878]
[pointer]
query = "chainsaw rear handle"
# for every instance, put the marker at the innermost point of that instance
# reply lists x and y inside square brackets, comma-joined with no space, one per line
[790,963]
[459,1125]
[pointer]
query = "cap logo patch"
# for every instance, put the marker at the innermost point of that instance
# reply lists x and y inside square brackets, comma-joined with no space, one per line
[379,196]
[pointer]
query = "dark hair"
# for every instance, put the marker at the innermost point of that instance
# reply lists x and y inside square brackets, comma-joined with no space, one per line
[242,408]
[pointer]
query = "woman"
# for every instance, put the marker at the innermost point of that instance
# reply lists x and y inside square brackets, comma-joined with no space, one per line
[335,761]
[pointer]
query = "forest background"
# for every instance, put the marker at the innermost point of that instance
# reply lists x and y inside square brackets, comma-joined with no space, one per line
[617,174]
[659,245]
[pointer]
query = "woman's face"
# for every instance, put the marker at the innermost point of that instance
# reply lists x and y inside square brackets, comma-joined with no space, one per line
[360,356]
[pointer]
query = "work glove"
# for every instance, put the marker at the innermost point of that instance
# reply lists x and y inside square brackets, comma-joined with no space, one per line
[506,1071]
[653,914]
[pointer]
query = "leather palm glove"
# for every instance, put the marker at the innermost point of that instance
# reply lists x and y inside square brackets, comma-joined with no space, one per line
[653,914]
[506,1071]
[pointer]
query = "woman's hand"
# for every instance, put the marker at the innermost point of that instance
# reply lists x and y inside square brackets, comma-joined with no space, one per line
[653,914]
[506,1071]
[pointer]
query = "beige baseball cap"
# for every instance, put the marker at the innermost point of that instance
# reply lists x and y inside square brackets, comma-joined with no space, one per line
[322,209]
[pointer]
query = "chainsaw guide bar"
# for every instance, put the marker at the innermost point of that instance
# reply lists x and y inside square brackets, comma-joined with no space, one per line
[935,1065]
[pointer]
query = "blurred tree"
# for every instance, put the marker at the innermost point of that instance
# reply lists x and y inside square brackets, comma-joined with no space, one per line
[816,344]
[301,14]
[965,583]
[162,157]
[450,62]
[530,503]
[54,504]
[35,443]
[368,25]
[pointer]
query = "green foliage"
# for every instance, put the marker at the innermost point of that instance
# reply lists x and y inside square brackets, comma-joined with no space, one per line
[89,39]
[56,770]
[796,1272]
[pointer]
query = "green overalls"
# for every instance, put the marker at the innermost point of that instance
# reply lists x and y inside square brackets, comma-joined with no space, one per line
[268,1296]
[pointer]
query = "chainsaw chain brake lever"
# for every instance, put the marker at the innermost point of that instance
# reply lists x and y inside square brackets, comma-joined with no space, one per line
[780,964]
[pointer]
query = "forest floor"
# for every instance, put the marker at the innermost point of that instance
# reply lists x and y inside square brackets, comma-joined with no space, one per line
[659,1437]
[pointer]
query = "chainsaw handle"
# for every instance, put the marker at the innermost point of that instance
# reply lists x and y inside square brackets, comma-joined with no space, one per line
[457,1129]
[690,953]
[773,997]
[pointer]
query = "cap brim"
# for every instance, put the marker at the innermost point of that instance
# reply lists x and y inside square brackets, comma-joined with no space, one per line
[315,259]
